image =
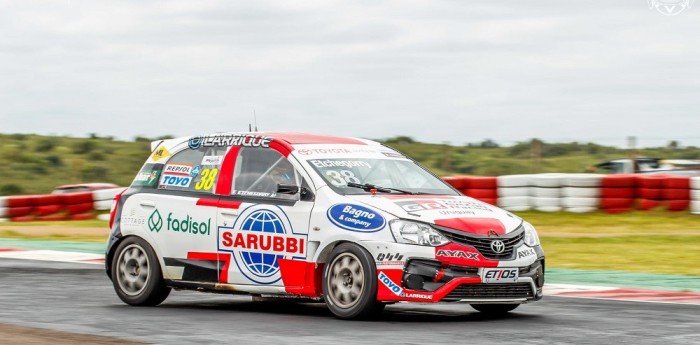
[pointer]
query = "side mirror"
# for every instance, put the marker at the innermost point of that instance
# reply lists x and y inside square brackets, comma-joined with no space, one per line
[287,189]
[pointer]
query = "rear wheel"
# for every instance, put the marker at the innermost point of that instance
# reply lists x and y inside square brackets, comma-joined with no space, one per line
[494,309]
[136,274]
[350,283]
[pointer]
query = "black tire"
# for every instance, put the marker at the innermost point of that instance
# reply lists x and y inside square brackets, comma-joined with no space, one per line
[133,257]
[346,263]
[494,309]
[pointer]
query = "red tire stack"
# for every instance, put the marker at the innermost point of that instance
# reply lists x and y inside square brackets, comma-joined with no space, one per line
[676,192]
[20,208]
[617,193]
[650,191]
[483,188]
[78,205]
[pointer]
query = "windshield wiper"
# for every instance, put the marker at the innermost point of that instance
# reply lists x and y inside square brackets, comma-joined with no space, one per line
[366,187]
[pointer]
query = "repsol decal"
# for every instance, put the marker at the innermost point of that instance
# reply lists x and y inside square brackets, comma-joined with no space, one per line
[355,218]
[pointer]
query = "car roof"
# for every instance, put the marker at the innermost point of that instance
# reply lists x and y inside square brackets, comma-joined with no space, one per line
[290,138]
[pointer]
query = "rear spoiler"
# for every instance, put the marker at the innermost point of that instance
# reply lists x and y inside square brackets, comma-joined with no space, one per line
[155,143]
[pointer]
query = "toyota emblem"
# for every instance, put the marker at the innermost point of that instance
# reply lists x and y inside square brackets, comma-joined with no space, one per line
[497,246]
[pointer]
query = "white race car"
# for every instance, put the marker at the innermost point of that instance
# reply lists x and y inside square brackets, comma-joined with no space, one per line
[347,221]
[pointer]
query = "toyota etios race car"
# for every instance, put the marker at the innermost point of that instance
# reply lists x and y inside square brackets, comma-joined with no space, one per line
[348,221]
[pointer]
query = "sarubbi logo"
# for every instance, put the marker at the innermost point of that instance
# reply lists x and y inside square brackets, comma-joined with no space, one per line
[670,7]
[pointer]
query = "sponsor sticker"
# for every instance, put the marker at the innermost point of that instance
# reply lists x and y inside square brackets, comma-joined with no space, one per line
[182,224]
[457,254]
[443,205]
[179,181]
[334,163]
[195,171]
[180,169]
[355,218]
[390,259]
[499,275]
[212,160]
[224,140]
[160,153]
[147,178]
[526,252]
[258,239]
[395,288]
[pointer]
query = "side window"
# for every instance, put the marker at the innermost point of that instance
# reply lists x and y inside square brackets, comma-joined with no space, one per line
[193,170]
[259,172]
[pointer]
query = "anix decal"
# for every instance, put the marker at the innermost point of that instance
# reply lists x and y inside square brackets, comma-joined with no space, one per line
[260,237]
[223,140]
[355,218]
[182,224]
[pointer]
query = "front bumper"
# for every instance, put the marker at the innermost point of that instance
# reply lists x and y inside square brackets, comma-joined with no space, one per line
[430,281]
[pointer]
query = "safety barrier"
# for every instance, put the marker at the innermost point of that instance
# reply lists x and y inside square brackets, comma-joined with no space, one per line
[576,193]
[582,193]
[53,207]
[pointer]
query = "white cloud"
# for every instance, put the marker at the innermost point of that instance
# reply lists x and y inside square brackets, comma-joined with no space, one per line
[435,70]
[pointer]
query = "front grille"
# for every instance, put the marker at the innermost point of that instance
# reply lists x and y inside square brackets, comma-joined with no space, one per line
[476,291]
[483,243]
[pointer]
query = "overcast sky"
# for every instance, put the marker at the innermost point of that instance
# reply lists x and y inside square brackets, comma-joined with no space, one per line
[438,71]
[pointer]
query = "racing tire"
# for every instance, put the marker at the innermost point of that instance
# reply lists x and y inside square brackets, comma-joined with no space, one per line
[350,283]
[136,274]
[494,309]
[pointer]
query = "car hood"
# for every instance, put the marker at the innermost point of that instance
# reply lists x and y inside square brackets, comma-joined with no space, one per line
[455,212]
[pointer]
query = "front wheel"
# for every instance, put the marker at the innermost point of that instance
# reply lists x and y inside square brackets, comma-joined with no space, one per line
[136,274]
[350,283]
[494,309]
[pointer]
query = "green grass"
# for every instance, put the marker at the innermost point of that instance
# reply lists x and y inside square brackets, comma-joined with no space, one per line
[58,236]
[646,254]
[58,224]
[656,222]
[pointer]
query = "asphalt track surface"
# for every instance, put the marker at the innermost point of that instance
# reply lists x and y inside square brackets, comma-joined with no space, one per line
[79,298]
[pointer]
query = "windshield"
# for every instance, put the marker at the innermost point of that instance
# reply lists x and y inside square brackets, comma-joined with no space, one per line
[401,174]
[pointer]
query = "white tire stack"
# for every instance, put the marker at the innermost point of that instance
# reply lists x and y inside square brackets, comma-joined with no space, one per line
[581,192]
[103,198]
[514,192]
[3,207]
[695,195]
[546,192]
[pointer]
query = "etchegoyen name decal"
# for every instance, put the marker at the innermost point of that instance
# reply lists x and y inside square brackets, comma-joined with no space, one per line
[355,218]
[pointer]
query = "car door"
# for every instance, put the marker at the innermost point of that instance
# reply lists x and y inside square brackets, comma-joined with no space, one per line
[271,224]
[180,216]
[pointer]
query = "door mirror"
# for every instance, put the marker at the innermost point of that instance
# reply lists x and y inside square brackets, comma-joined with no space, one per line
[287,189]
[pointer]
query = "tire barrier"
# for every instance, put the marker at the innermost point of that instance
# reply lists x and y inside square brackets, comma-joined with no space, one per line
[482,188]
[580,192]
[514,192]
[617,193]
[694,185]
[546,192]
[676,192]
[56,207]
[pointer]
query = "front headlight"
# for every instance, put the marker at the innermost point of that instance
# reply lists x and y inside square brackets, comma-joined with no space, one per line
[531,238]
[409,232]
